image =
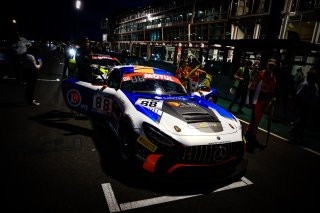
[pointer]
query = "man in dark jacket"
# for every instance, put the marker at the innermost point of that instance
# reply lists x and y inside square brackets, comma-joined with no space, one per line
[83,60]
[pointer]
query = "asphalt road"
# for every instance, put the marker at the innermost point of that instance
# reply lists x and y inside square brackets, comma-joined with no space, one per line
[53,162]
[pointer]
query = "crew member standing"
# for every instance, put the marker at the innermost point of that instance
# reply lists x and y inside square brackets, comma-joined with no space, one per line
[262,91]
[306,100]
[19,46]
[67,57]
[182,71]
[242,80]
[31,66]
[194,75]
[83,60]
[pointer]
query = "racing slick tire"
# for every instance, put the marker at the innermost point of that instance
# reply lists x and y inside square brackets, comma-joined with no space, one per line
[126,142]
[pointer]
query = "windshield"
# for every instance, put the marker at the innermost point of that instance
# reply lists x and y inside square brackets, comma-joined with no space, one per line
[105,62]
[152,84]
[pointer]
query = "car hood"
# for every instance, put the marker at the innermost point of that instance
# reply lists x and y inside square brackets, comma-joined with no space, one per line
[185,115]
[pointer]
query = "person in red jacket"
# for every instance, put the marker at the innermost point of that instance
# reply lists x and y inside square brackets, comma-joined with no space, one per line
[261,93]
[183,70]
[194,75]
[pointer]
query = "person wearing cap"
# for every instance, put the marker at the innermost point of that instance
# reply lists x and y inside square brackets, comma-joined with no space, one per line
[262,90]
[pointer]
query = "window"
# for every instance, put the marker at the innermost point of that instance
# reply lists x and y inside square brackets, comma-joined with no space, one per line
[114,79]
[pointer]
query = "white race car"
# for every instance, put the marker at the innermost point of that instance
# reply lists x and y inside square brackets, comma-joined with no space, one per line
[159,125]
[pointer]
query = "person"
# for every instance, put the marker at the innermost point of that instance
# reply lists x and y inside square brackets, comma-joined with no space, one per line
[67,57]
[242,79]
[83,60]
[306,99]
[262,91]
[182,71]
[298,78]
[31,66]
[19,47]
[194,75]
[284,90]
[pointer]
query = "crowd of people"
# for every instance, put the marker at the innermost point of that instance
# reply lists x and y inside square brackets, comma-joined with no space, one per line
[263,90]
[189,74]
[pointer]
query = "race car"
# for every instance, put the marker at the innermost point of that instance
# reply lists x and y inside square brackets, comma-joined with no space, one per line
[205,90]
[159,126]
[99,62]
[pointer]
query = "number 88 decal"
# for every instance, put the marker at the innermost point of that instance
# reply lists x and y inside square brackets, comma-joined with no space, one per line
[101,104]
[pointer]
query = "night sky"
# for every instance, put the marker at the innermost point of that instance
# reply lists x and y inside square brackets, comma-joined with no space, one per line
[56,20]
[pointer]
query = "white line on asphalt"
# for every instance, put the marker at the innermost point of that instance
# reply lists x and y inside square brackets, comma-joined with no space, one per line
[40,79]
[48,79]
[111,199]
[114,206]
[278,136]
[310,150]
[285,139]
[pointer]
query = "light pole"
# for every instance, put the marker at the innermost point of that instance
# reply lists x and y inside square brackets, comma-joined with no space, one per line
[78,4]
[107,29]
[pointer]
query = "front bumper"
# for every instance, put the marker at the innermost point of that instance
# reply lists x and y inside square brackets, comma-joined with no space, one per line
[164,168]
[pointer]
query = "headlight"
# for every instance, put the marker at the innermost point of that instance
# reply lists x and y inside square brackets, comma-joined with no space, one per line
[156,136]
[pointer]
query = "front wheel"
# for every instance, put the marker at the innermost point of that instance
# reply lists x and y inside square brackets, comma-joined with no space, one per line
[126,142]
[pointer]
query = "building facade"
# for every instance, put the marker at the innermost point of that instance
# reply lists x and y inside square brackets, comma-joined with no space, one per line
[171,30]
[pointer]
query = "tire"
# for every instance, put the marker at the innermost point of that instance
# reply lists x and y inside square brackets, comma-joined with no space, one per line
[126,142]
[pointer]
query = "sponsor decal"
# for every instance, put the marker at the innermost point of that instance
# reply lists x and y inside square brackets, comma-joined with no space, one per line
[150,103]
[157,111]
[147,144]
[102,103]
[138,77]
[219,142]
[84,107]
[143,69]
[181,104]
[176,104]
[74,98]
[156,76]
[203,125]
[126,78]
[100,57]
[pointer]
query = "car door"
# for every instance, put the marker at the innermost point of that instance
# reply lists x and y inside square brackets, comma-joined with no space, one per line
[95,101]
